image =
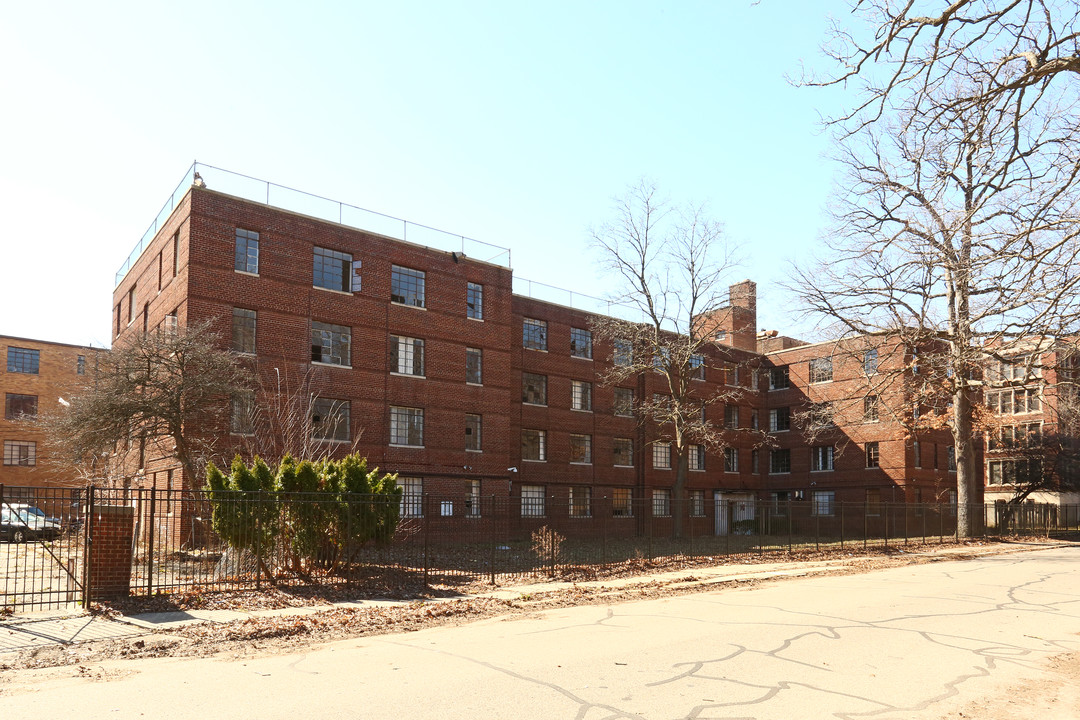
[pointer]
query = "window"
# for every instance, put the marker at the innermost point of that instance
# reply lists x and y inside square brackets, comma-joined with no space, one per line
[20,452]
[697,367]
[624,452]
[247,252]
[754,422]
[474,301]
[472,498]
[131,305]
[755,462]
[406,355]
[780,461]
[580,395]
[472,432]
[661,503]
[661,359]
[580,501]
[330,420]
[821,370]
[474,366]
[696,457]
[243,330]
[951,450]
[731,375]
[755,379]
[407,426]
[869,363]
[176,253]
[17,407]
[1011,472]
[412,497]
[1014,402]
[821,458]
[916,451]
[622,502]
[532,501]
[822,502]
[697,503]
[330,344]
[661,456]
[23,360]
[624,402]
[731,460]
[242,413]
[731,416]
[779,379]
[580,343]
[80,365]
[623,353]
[407,286]
[170,324]
[534,334]
[533,389]
[581,448]
[873,455]
[779,419]
[332,269]
[870,408]
[873,501]
[533,445]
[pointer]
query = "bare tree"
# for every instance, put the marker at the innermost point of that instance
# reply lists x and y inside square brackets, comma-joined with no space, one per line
[170,386]
[672,265]
[956,235]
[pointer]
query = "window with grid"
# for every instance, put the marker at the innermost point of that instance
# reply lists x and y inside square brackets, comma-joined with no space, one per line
[247,252]
[821,370]
[580,501]
[131,305]
[623,353]
[412,496]
[696,457]
[870,408]
[622,502]
[331,269]
[330,419]
[533,389]
[407,426]
[533,445]
[951,454]
[472,432]
[661,503]
[243,330]
[472,498]
[170,324]
[870,361]
[821,458]
[624,402]
[580,343]
[916,452]
[661,456]
[534,334]
[624,452]
[661,359]
[406,355]
[873,501]
[822,502]
[580,395]
[779,419]
[80,365]
[407,286]
[17,407]
[697,367]
[242,413]
[581,448]
[779,378]
[532,501]
[731,416]
[23,360]
[873,455]
[731,460]
[474,366]
[780,461]
[755,463]
[20,452]
[697,503]
[331,344]
[474,301]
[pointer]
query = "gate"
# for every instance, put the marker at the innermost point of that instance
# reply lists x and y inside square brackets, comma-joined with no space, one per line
[42,547]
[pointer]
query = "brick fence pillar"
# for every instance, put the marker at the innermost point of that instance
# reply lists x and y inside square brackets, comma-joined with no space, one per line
[111,531]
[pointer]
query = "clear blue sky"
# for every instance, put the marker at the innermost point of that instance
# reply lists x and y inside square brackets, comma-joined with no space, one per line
[512,123]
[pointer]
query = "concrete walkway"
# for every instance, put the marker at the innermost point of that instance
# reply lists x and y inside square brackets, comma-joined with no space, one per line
[72,625]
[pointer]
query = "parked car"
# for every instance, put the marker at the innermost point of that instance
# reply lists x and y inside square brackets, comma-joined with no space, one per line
[20,522]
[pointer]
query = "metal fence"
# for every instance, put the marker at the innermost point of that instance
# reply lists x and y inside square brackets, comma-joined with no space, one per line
[182,542]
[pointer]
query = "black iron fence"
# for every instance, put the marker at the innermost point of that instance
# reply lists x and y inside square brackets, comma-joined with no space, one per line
[182,541]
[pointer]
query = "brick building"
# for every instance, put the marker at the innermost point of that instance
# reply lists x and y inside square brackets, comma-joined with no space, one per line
[37,376]
[430,365]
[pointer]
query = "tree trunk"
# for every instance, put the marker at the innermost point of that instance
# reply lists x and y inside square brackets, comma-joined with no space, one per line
[678,493]
[968,480]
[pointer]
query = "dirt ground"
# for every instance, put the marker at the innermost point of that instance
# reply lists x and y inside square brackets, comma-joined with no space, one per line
[1054,696]
[281,634]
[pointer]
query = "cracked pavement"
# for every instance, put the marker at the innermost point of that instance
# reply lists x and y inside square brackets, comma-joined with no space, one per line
[912,642]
